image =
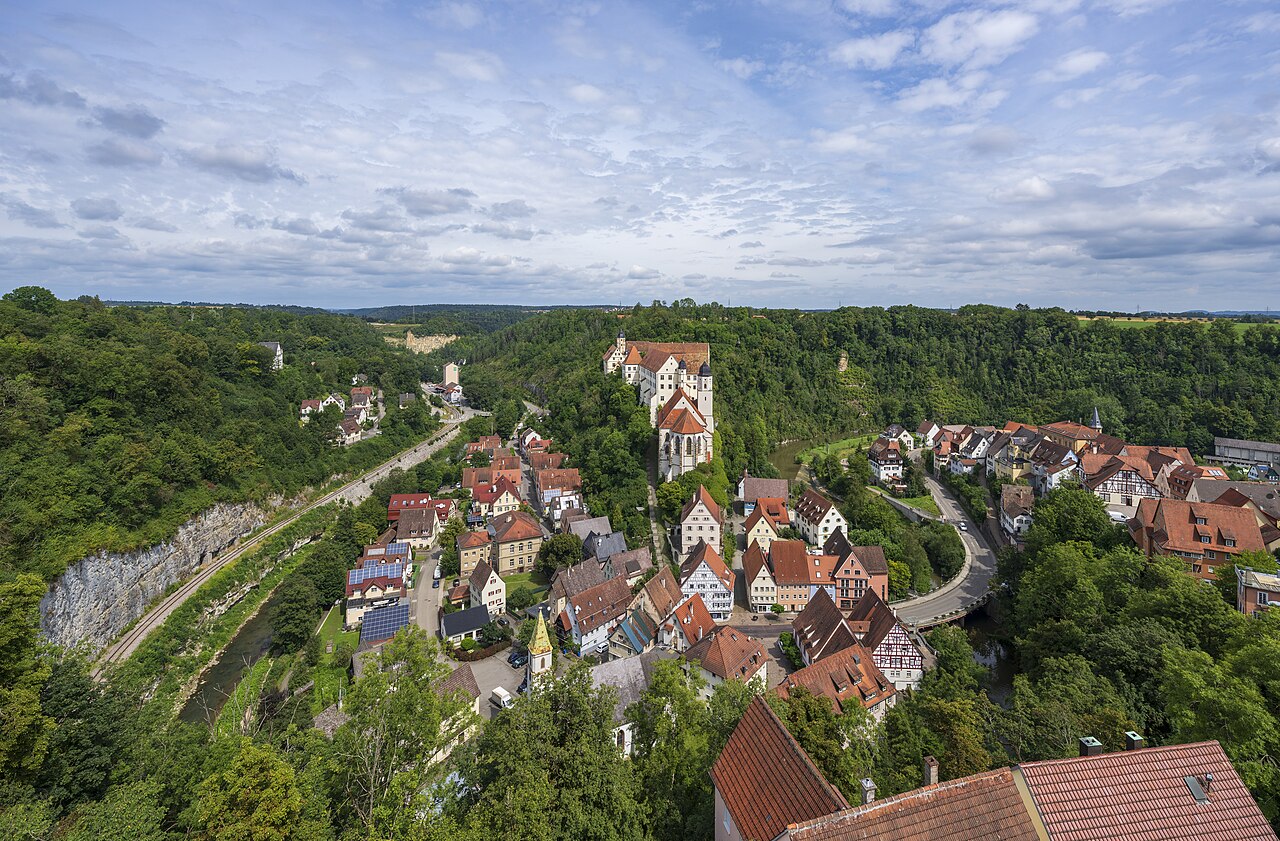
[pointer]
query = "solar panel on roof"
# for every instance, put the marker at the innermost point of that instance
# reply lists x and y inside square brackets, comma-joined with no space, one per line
[398,548]
[383,622]
[359,576]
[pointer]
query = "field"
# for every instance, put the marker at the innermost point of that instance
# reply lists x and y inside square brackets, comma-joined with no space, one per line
[924,503]
[535,580]
[1138,321]
[841,448]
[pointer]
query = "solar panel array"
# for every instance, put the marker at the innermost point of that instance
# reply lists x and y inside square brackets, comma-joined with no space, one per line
[383,622]
[398,548]
[359,576]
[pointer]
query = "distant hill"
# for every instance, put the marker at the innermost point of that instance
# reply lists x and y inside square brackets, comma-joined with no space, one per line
[451,319]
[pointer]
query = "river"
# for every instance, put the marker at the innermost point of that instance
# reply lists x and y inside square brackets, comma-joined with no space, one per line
[784,458]
[992,655]
[245,649]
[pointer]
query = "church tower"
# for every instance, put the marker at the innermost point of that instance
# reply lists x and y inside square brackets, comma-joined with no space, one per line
[704,395]
[539,653]
[1096,423]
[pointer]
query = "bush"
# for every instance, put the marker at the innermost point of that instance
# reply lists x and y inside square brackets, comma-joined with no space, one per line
[469,645]
[790,650]
[521,599]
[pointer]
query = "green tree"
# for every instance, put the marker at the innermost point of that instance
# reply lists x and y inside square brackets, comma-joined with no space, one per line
[559,551]
[837,744]
[255,799]
[33,299]
[129,812]
[521,599]
[293,613]
[24,738]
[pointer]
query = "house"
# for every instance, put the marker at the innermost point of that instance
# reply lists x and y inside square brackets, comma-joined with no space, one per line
[473,547]
[516,539]
[1074,436]
[334,399]
[391,552]
[1203,534]
[557,491]
[359,414]
[443,508]
[349,432]
[570,581]
[488,589]
[1177,481]
[1243,453]
[1263,473]
[1261,498]
[417,527]
[762,590]
[487,444]
[750,805]
[1188,791]
[660,595]
[817,517]
[1016,502]
[751,488]
[897,432]
[602,547]
[310,407]
[547,461]
[1256,591]
[362,397]
[728,654]
[797,573]
[847,678]
[589,617]
[685,438]
[761,529]
[927,433]
[1051,463]
[459,685]
[821,630]
[688,625]
[453,394]
[1009,456]
[407,398]
[1120,481]
[659,369]
[896,654]
[858,571]
[631,565]
[480,477]
[705,573]
[887,463]
[488,501]
[630,678]
[372,586]
[531,442]
[382,623]
[959,465]
[699,521]
[277,354]
[464,624]
[635,634]
[586,526]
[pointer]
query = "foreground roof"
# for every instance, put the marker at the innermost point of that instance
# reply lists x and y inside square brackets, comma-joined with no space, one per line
[793,790]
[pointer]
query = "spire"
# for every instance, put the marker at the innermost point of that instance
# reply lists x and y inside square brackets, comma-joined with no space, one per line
[541,642]
[1097,421]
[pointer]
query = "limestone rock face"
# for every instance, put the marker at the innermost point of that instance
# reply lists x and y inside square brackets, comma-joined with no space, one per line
[99,595]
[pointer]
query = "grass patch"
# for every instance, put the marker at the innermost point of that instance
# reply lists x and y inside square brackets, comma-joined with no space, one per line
[244,697]
[1135,323]
[331,631]
[841,448]
[535,580]
[924,503]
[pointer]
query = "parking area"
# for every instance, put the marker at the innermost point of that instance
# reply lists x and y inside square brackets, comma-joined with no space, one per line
[494,671]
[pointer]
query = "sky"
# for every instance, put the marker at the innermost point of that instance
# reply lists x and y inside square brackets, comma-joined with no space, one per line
[1089,154]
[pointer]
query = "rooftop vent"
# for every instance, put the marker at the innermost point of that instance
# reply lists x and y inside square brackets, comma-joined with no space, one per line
[1090,746]
[868,790]
[1132,740]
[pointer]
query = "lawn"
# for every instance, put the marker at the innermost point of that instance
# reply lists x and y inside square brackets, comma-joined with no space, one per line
[924,503]
[536,580]
[841,448]
[331,631]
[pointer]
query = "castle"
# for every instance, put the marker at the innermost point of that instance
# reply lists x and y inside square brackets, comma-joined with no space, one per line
[679,400]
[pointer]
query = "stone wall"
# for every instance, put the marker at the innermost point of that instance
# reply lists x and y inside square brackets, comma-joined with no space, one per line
[98,596]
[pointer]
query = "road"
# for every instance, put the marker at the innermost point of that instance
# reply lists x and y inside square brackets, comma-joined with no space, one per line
[353,492]
[969,587]
[426,599]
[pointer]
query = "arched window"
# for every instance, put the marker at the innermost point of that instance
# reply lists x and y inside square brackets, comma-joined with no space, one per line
[622,739]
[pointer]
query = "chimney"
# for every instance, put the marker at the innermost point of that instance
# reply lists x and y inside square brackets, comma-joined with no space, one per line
[930,771]
[868,790]
[1133,741]
[1090,746]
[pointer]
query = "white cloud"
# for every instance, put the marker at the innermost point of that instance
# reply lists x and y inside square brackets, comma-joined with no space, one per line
[977,38]
[585,94]
[943,93]
[1270,149]
[1073,66]
[847,141]
[1030,189]
[643,273]
[741,67]
[875,52]
[478,66]
[870,8]
[466,256]
[453,15]
[1078,96]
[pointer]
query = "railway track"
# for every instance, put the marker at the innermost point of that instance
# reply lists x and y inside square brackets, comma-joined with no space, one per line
[121,649]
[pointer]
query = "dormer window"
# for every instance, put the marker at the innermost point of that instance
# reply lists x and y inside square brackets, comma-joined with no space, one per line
[1230,541]
[1204,538]
[1200,521]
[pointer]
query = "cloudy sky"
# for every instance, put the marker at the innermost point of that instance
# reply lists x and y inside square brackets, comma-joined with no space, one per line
[1084,153]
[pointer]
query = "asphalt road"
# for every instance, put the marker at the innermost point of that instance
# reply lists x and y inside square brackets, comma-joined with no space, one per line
[354,491]
[969,587]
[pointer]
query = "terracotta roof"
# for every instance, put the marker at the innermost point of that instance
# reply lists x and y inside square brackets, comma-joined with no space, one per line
[682,422]
[754,488]
[849,676]
[704,552]
[764,804]
[1016,500]
[728,654]
[700,495]
[475,477]
[788,560]
[872,559]
[1172,526]
[1050,452]
[633,356]
[755,518]
[663,593]
[420,520]
[753,561]
[820,629]
[514,525]
[1071,429]
[472,539]
[872,620]
[1142,795]
[600,605]
[547,461]
[776,508]
[349,426]
[950,811]
[563,480]
[885,451]
[693,620]
[813,506]
[488,494]
[693,353]
[681,398]
[402,502]
[461,679]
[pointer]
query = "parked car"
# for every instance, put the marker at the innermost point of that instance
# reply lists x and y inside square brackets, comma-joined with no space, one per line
[435,585]
[519,661]
[964,526]
[503,621]
[524,686]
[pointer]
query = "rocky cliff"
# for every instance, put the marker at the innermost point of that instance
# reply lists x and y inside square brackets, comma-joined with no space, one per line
[98,596]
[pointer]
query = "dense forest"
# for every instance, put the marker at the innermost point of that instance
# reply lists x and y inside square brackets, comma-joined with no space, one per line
[119,423]
[449,319]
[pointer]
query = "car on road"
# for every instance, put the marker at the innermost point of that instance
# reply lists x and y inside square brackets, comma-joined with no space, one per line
[502,621]
[435,585]
[519,661]
[964,526]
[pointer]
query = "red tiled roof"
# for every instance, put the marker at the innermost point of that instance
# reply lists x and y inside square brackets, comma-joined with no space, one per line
[1071,429]
[849,676]
[871,558]
[547,461]
[677,397]
[472,539]
[766,779]
[787,560]
[682,422]
[705,552]
[1141,795]
[1172,525]
[487,494]
[776,508]
[400,502]
[700,495]
[562,480]
[872,620]
[729,653]
[753,561]
[755,518]
[693,620]
[1016,500]
[984,806]
[461,679]
[663,593]
[820,629]
[515,525]
[600,605]
[655,353]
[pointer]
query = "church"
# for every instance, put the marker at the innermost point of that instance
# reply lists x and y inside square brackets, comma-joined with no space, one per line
[674,381]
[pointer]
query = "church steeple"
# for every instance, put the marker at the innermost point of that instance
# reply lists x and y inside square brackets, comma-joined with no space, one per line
[539,652]
[1096,423]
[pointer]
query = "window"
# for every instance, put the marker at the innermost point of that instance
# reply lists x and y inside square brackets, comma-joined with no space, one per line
[1200,521]
[1210,553]
[1262,598]
[1204,539]
[1230,541]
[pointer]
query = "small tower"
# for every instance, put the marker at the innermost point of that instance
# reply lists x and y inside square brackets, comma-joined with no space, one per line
[1096,423]
[704,395]
[539,653]
[622,343]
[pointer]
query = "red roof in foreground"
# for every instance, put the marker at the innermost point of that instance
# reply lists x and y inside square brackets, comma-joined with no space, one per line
[766,779]
[1142,795]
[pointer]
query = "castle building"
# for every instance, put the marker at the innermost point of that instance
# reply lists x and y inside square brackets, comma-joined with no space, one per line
[679,400]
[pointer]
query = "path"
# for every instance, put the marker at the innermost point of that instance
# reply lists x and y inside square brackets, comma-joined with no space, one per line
[970,587]
[354,491]
[655,527]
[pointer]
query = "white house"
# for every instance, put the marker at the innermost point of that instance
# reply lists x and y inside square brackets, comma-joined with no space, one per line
[762,590]
[699,521]
[488,589]
[590,616]
[705,573]
[729,654]
[885,458]
[817,517]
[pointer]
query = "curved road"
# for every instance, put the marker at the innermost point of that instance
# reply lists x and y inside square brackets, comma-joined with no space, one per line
[353,492]
[970,586]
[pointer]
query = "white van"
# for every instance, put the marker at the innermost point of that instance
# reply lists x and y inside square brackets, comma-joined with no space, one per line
[500,698]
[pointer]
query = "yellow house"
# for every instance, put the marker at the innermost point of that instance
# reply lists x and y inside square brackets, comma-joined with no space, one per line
[473,547]
[761,529]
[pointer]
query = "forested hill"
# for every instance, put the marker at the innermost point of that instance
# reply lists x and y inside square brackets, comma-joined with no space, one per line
[777,371]
[450,319]
[119,423]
